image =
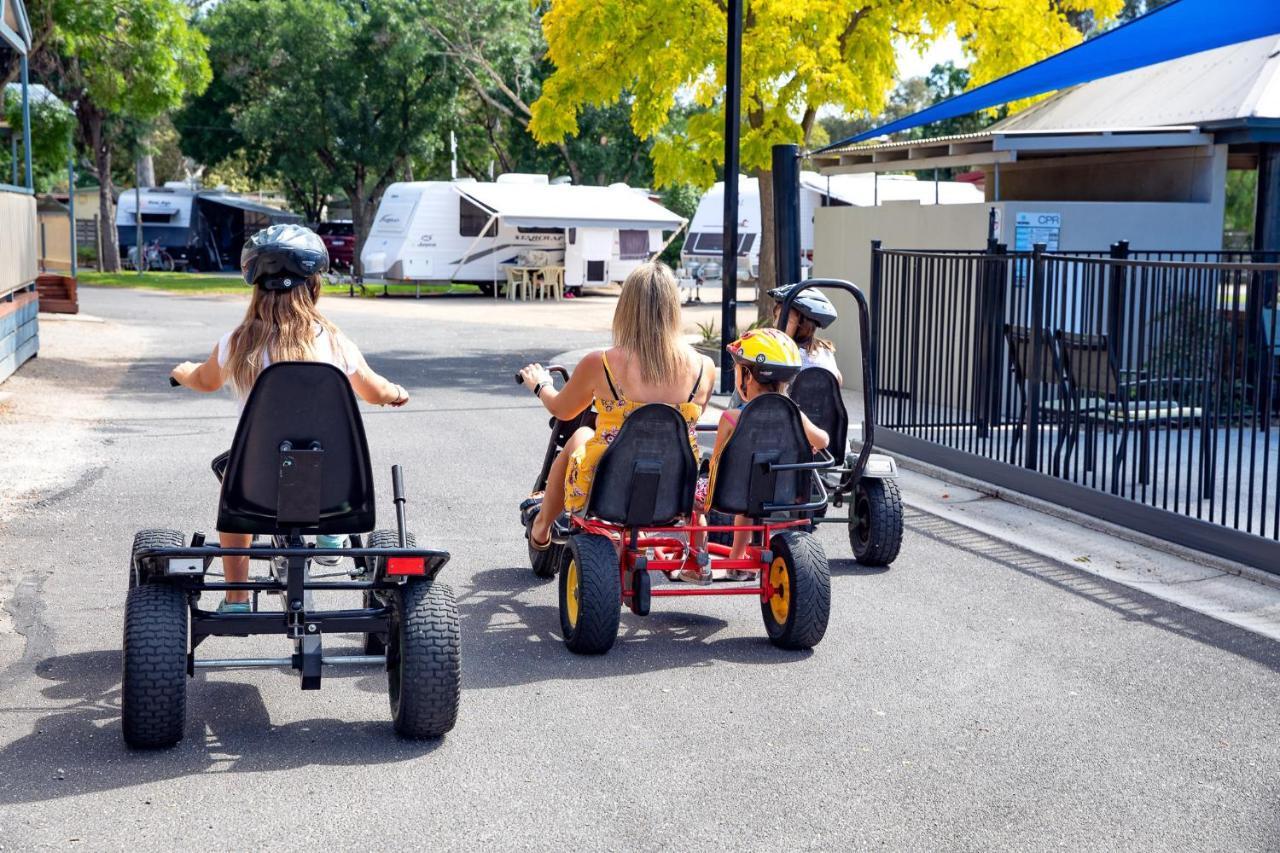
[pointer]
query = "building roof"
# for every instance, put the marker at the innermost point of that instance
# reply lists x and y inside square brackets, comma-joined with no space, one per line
[1215,88]
[569,206]
[1000,146]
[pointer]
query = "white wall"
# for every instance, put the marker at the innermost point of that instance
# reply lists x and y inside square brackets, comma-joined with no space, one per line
[843,235]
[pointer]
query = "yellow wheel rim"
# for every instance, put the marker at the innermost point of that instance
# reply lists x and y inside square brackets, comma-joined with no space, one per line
[571,592]
[780,580]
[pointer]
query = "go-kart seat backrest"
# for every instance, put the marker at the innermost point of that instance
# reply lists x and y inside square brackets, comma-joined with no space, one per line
[817,392]
[769,430]
[299,461]
[647,475]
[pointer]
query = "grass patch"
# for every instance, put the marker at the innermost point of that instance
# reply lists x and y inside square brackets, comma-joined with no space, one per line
[212,283]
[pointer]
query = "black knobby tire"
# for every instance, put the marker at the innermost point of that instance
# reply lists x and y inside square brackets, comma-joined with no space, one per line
[424,673]
[376,644]
[804,583]
[875,522]
[148,539]
[545,563]
[153,702]
[591,590]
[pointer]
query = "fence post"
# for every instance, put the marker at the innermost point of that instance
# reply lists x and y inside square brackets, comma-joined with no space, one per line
[987,360]
[877,273]
[1116,300]
[1033,390]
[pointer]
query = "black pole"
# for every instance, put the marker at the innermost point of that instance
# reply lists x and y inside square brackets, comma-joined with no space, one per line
[732,125]
[786,213]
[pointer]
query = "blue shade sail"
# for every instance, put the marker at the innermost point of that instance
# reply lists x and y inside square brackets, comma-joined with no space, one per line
[1178,29]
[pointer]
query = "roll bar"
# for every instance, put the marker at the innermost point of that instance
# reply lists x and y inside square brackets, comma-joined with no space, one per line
[868,354]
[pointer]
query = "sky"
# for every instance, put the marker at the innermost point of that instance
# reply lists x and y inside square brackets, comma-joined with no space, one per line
[913,64]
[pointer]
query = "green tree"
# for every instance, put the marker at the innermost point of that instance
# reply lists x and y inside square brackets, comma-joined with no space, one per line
[501,54]
[119,61]
[335,93]
[52,123]
[797,57]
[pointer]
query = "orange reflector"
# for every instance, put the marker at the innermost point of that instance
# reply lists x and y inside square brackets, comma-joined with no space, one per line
[406,566]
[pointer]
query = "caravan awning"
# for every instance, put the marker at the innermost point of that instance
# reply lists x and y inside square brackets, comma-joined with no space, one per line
[276,215]
[1178,29]
[568,206]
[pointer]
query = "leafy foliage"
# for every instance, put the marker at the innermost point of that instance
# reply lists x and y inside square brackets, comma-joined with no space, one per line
[339,93]
[52,123]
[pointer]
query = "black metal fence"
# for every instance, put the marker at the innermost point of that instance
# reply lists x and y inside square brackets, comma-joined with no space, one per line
[1139,386]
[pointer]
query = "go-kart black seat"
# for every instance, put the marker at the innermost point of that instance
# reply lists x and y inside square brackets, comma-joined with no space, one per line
[769,430]
[647,475]
[299,462]
[817,392]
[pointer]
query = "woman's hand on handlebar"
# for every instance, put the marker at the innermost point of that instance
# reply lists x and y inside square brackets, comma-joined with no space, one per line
[533,375]
[182,373]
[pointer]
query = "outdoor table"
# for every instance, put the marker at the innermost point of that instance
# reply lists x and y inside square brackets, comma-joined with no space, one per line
[520,280]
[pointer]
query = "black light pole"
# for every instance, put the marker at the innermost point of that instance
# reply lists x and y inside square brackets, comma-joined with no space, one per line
[732,125]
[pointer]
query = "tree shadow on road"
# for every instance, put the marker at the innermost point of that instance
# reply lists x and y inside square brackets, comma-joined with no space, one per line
[78,748]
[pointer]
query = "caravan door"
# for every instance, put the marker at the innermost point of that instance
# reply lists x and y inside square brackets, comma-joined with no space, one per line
[597,250]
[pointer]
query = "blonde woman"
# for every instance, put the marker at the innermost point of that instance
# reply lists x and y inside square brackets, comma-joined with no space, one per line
[283,264]
[648,363]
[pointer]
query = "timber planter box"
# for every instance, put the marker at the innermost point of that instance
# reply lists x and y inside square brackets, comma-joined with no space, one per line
[58,294]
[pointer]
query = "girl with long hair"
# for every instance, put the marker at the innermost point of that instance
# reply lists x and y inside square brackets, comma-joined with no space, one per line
[284,265]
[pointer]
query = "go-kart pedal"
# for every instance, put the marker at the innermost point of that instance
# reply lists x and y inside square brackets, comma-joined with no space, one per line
[299,466]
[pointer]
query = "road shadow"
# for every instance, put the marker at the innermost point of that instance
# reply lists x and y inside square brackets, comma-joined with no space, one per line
[78,749]
[508,641]
[846,567]
[1125,602]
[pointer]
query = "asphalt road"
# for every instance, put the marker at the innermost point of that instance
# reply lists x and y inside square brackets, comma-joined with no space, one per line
[970,697]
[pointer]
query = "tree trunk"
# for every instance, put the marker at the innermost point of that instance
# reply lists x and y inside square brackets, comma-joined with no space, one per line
[767,279]
[362,214]
[146,171]
[92,131]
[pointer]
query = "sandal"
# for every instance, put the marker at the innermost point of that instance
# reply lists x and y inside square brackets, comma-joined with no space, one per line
[529,507]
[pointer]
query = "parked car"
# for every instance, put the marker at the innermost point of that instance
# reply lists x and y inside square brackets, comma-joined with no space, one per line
[339,238]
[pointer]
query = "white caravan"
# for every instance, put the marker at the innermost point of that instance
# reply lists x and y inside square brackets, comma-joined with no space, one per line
[470,232]
[705,241]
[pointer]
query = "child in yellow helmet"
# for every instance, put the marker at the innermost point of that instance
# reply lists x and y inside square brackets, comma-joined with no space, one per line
[764,361]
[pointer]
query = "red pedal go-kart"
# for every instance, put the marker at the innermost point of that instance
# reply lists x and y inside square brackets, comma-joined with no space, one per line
[640,520]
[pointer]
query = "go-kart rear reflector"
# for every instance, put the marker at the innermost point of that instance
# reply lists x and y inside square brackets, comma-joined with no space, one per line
[406,566]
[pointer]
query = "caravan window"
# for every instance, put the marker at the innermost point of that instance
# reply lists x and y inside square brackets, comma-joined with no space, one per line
[157,217]
[471,219]
[708,243]
[522,230]
[633,245]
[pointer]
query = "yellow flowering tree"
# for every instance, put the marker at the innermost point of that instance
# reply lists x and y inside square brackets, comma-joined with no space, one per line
[797,56]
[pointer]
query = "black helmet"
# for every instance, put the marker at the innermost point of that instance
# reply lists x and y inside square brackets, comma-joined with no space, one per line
[813,304]
[283,256]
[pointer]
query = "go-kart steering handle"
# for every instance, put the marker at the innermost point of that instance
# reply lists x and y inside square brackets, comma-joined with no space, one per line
[562,372]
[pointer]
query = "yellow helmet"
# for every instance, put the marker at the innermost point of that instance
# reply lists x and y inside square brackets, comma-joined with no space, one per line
[770,354]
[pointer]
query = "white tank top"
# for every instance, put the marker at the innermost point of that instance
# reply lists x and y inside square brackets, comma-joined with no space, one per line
[342,353]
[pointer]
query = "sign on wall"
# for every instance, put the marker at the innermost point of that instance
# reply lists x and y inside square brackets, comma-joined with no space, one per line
[1032,228]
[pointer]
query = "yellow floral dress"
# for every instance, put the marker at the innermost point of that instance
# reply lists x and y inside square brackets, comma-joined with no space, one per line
[609,417]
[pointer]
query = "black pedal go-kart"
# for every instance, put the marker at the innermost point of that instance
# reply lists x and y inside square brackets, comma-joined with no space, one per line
[640,520]
[866,480]
[299,466]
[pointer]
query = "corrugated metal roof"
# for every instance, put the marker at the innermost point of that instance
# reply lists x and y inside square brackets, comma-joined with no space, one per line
[1239,81]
